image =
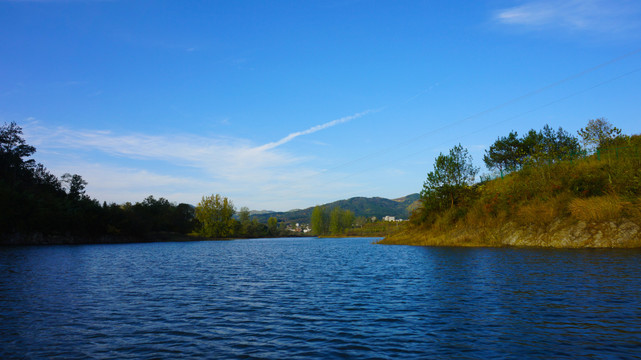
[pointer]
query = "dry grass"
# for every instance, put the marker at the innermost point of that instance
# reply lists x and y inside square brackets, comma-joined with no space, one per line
[537,212]
[543,212]
[632,211]
[597,208]
[593,189]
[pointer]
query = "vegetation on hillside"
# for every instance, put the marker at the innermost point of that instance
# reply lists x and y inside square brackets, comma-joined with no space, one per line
[543,181]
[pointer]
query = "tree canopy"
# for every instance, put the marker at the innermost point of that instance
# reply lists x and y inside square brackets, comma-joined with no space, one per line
[505,154]
[510,153]
[215,215]
[335,221]
[452,175]
[598,133]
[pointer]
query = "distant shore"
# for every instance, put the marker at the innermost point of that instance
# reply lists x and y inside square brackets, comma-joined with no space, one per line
[34,239]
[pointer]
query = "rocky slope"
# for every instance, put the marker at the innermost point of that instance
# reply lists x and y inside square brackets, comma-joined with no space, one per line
[562,233]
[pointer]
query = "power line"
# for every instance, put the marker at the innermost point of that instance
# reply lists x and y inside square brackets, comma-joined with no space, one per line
[486,111]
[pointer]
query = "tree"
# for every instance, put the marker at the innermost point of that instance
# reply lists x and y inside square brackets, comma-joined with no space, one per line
[75,185]
[360,221]
[510,153]
[597,133]
[43,177]
[319,221]
[243,215]
[245,224]
[272,225]
[556,145]
[505,154]
[332,222]
[347,219]
[452,175]
[335,226]
[215,216]
[13,150]
[183,218]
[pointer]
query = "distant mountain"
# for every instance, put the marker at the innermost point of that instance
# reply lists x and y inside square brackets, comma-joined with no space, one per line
[260,212]
[360,206]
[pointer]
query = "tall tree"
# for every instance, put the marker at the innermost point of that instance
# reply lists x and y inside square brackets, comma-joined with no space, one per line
[335,226]
[215,216]
[13,151]
[347,219]
[556,145]
[75,185]
[598,133]
[243,215]
[452,175]
[319,220]
[505,154]
[272,226]
[509,153]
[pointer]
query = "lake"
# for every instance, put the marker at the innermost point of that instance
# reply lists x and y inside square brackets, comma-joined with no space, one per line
[317,299]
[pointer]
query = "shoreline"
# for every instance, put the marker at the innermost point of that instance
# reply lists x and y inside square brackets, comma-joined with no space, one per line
[39,239]
[560,234]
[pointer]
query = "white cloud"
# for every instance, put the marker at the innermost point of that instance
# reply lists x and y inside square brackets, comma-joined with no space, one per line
[121,184]
[225,157]
[601,16]
[184,167]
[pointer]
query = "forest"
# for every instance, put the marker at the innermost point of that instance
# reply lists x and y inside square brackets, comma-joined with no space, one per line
[36,207]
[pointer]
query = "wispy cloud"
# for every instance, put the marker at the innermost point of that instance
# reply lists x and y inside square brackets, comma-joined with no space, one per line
[313,129]
[221,157]
[604,16]
[128,167]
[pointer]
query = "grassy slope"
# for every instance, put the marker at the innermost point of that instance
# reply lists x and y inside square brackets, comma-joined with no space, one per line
[591,202]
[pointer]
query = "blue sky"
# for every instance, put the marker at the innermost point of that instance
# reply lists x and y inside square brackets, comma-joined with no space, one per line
[288,104]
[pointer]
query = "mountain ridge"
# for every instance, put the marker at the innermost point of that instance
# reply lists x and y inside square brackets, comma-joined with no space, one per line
[360,206]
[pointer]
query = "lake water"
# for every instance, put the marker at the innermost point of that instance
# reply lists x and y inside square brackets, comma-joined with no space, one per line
[317,298]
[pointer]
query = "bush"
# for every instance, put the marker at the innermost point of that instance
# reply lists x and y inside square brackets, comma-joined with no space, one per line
[597,208]
[589,179]
[536,212]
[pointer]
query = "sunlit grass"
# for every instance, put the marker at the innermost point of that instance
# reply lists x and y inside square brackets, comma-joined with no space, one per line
[602,187]
[597,208]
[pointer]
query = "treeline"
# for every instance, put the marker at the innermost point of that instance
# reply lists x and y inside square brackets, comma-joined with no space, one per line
[215,218]
[35,202]
[511,152]
[539,177]
[335,221]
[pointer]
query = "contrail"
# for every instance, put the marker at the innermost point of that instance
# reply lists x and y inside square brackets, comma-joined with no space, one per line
[313,129]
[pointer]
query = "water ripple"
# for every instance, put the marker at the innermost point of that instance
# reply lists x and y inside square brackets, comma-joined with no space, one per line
[311,298]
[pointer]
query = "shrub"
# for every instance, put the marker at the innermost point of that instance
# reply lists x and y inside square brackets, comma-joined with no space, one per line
[540,212]
[589,179]
[632,211]
[597,208]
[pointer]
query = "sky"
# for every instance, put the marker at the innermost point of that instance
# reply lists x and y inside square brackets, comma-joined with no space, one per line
[280,105]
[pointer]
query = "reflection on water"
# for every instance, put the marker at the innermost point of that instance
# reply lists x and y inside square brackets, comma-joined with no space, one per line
[317,298]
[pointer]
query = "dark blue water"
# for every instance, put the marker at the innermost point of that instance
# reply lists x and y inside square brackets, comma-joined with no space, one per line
[317,298]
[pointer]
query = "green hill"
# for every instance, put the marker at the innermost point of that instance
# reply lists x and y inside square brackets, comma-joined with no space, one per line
[360,206]
[584,201]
